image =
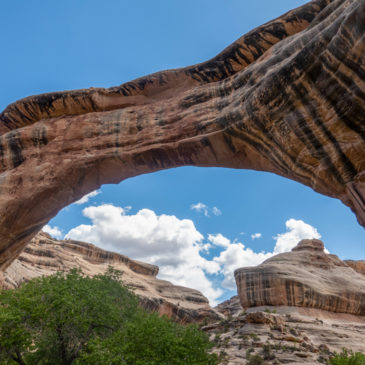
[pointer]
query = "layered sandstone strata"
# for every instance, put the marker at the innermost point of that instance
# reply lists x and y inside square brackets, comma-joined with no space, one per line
[45,256]
[287,97]
[304,277]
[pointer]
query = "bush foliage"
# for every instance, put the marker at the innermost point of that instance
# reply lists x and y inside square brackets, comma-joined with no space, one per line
[348,358]
[74,319]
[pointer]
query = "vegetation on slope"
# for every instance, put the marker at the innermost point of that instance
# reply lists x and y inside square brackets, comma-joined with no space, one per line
[348,358]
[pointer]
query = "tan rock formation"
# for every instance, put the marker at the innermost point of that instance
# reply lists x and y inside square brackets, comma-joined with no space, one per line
[45,256]
[358,266]
[291,335]
[304,277]
[287,97]
[231,307]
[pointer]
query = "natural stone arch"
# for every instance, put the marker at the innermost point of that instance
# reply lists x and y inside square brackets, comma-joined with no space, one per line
[288,98]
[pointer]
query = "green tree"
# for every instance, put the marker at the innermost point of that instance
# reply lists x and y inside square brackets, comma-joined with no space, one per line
[73,319]
[151,340]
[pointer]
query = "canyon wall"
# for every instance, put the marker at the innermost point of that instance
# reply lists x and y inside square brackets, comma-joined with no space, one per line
[45,255]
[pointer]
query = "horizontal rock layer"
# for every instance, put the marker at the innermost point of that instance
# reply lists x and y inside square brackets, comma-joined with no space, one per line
[304,277]
[45,256]
[287,97]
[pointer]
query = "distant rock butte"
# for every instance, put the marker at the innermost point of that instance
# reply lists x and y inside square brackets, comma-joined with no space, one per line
[358,266]
[288,98]
[45,256]
[231,307]
[304,277]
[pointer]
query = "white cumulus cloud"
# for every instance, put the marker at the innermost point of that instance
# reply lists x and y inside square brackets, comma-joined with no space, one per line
[53,231]
[171,243]
[87,197]
[296,231]
[176,246]
[255,235]
[219,240]
[234,256]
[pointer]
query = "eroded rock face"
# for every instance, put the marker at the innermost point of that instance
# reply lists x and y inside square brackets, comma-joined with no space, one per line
[304,277]
[287,335]
[45,256]
[358,265]
[231,307]
[288,97]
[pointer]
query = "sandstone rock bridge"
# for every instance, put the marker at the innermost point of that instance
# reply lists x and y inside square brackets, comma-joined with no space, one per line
[287,97]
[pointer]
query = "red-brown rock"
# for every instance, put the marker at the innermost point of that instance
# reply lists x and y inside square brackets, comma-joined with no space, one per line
[287,97]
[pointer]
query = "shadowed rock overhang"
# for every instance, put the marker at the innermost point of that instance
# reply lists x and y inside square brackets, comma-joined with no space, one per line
[287,97]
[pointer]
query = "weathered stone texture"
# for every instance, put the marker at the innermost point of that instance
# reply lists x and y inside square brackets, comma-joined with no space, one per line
[304,277]
[288,98]
[45,256]
[358,265]
[291,335]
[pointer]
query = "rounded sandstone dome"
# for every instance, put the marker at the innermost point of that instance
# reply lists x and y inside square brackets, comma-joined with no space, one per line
[309,245]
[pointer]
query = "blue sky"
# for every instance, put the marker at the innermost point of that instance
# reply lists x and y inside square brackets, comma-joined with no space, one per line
[49,46]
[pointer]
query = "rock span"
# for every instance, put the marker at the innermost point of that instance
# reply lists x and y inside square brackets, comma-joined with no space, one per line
[45,256]
[304,277]
[287,97]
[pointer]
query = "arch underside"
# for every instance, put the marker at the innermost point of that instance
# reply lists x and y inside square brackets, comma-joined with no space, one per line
[288,97]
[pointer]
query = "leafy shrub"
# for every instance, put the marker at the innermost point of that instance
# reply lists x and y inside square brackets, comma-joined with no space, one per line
[74,319]
[348,358]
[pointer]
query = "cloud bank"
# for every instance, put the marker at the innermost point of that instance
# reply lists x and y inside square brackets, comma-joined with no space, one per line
[171,243]
[178,248]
